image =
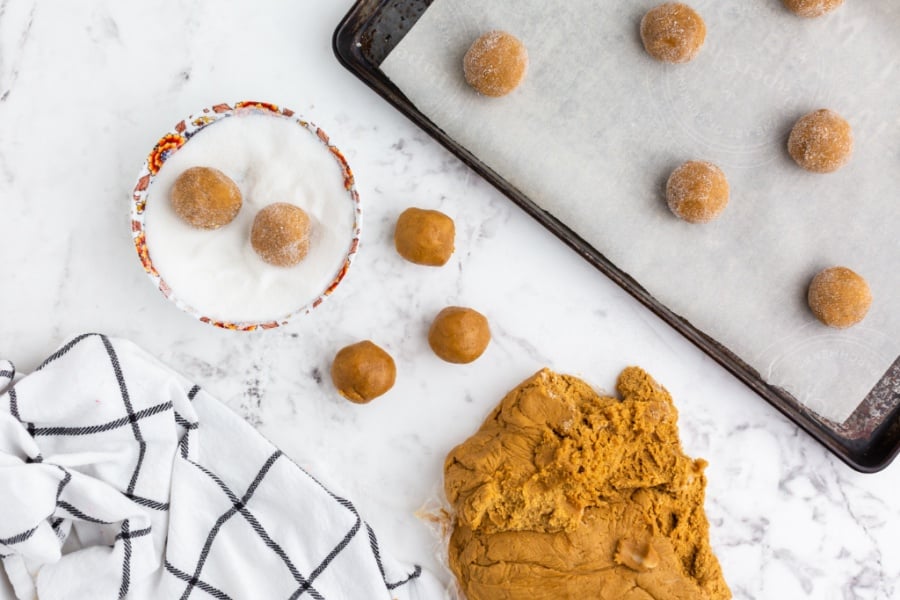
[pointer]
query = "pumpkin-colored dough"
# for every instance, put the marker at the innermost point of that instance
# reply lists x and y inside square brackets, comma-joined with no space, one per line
[495,63]
[812,8]
[821,141]
[206,198]
[280,234]
[564,494]
[363,371]
[839,297]
[425,237]
[697,191]
[459,335]
[673,32]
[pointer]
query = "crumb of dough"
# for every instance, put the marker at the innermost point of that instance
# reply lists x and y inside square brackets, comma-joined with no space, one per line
[363,371]
[812,8]
[424,237]
[495,63]
[459,335]
[673,32]
[280,234]
[562,490]
[697,191]
[839,297]
[821,141]
[206,198]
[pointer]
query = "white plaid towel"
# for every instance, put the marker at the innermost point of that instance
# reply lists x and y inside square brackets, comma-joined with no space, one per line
[118,478]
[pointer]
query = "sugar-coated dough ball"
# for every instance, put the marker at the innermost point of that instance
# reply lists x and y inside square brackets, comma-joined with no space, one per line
[206,198]
[697,191]
[812,8]
[425,237]
[363,371]
[280,234]
[839,297]
[495,64]
[673,32]
[459,335]
[821,141]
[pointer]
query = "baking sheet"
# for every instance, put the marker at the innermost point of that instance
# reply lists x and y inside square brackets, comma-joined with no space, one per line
[598,126]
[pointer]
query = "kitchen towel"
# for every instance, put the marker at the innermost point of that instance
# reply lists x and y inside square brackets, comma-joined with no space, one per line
[119,478]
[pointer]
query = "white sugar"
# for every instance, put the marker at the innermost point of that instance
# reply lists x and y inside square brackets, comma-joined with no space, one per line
[217,273]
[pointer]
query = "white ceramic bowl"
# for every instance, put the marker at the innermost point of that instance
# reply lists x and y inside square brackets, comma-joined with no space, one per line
[181,134]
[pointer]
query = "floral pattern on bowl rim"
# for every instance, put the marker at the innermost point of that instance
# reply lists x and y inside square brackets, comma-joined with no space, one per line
[170,143]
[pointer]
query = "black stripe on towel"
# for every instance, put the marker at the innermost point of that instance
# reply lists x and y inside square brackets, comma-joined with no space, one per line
[74,342]
[126,563]
[154,504]
[77,513]
[109,425]
[201,585]
[239,505]
[373,544]
[19,537]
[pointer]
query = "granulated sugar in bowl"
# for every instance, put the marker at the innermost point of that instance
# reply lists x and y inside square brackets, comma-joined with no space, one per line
[273,156]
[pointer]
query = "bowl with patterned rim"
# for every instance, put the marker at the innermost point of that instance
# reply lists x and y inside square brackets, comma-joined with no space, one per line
[146,193]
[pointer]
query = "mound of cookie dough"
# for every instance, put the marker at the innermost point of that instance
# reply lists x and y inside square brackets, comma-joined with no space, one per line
[562,491]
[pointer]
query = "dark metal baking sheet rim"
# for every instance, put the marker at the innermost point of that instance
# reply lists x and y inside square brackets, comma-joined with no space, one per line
[869,447]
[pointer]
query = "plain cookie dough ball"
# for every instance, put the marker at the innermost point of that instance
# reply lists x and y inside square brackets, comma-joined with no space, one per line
[363,371]
[424,237]
[280,234]
[673,32]
[206,198]
[839,297]
[459,335]
[697,191]
[821,141]
[495,64]
[812,8]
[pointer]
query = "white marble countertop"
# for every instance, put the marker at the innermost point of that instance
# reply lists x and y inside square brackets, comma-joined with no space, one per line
[85,91]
